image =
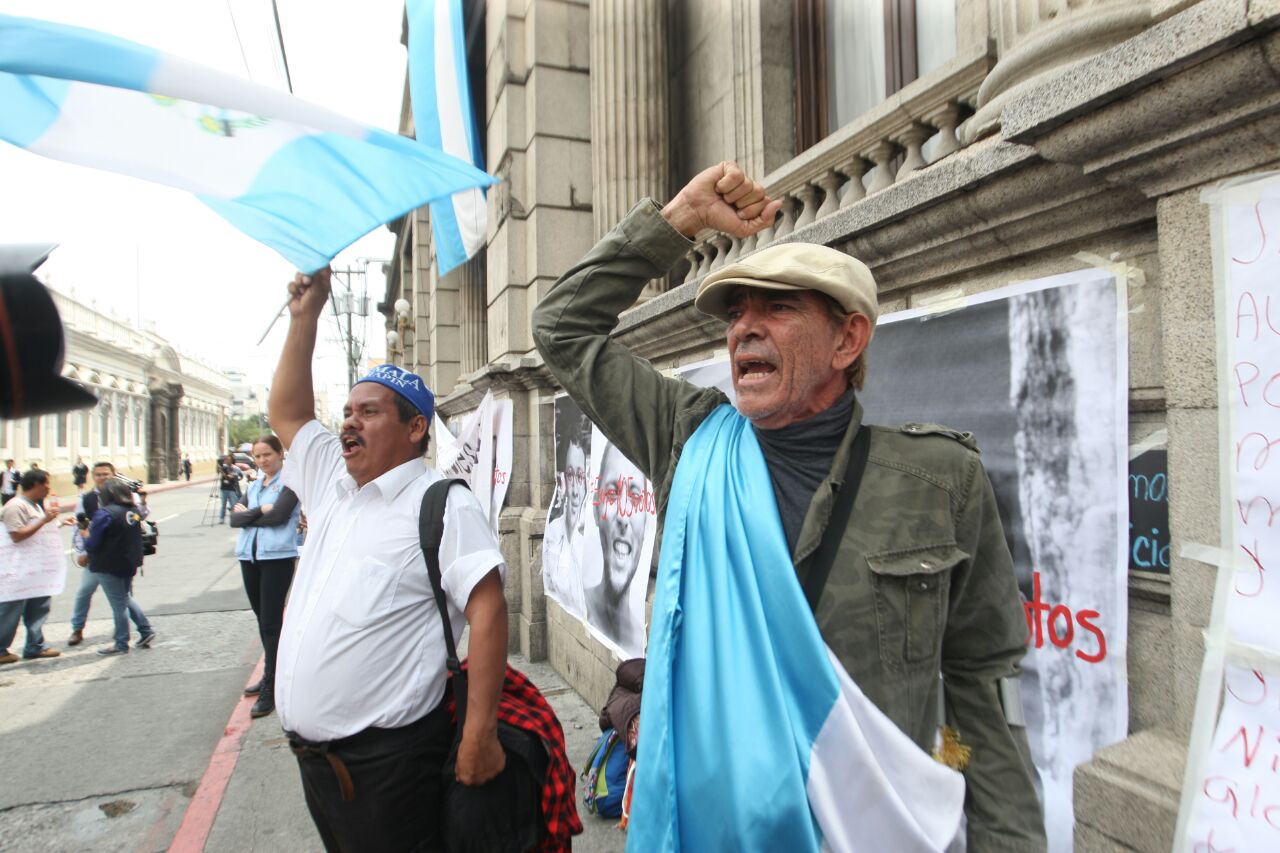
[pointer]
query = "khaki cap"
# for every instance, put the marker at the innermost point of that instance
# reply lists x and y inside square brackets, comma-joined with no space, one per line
[794,266]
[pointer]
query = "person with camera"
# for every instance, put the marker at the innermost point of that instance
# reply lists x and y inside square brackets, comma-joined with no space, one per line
[86,509]
[229,478]
[115,554]
[267,550]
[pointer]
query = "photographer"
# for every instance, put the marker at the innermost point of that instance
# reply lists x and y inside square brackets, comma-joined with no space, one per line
[229,477]
[85,511]
[115,553]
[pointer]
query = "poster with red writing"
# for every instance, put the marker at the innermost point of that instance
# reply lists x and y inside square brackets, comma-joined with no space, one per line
[1237,799]
[1039,373]
[1231,793]
[480,453]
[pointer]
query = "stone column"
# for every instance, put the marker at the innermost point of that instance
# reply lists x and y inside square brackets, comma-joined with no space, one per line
[630,155]
[1038,39]
[175,435]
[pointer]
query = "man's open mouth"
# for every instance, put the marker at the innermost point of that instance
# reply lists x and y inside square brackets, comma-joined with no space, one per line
[621,549]
[350,444]
[752,370]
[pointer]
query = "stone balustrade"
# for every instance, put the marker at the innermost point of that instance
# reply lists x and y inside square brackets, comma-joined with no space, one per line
[908,131]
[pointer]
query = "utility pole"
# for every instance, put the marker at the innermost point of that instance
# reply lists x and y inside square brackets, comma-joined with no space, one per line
[347,305]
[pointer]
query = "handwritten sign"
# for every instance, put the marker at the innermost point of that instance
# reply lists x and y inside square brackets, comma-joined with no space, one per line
[33,568]
[1231,792]
[1252,266]
[1237,806]
[480,453]
[1149,512]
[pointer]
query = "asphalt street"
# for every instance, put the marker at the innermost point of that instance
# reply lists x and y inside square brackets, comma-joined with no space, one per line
[149,751]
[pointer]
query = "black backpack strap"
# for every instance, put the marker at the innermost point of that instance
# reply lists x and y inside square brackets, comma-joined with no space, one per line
[430,532]
[825,557]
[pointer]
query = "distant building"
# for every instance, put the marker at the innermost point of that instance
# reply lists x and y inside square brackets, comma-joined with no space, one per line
[154,405]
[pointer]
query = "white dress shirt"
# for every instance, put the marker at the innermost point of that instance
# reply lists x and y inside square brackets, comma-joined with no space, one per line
[362,644]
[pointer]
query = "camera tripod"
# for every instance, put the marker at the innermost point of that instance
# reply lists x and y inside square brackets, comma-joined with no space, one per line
[209,517]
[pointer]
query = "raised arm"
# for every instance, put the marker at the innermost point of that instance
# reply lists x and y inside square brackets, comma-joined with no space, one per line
[292,403]
[572,324]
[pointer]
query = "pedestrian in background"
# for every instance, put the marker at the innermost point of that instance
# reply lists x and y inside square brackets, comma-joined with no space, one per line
[23,518]
[186,467]
[8,482]
[229,477]
[86,509]
[80,474]
[115,554]
[267,550]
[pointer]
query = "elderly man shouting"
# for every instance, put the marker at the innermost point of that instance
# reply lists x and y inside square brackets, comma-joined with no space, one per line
[912,591]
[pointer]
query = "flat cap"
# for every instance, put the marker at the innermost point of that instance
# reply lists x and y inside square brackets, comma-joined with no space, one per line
[794,266]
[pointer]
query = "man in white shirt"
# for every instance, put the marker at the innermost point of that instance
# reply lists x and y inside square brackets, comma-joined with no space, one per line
[361,668]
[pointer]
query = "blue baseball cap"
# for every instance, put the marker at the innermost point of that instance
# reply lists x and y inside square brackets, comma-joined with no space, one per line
[406,384]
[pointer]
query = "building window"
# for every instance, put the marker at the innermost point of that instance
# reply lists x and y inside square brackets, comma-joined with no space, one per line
[139,435]
[122,420]
[852,54]
[61,430]
[33,431]
[104,424]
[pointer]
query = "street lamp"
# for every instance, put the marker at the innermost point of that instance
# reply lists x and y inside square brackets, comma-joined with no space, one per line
[395,337]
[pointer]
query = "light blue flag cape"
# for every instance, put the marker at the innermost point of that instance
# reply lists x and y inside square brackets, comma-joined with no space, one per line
[752,736]
[299,178]
[443,119]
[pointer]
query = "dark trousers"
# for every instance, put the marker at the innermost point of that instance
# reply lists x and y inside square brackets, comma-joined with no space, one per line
[266,582]
[396,783]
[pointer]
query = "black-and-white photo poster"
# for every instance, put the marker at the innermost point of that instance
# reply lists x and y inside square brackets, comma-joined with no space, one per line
[566,517]
[600,533]
[1038,372]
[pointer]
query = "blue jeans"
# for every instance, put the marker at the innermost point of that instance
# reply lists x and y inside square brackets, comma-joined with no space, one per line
[118,591]
[229,499]
[84,597]
[31,612]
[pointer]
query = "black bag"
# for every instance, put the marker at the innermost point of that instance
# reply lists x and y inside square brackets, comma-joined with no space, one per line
[150,538]
[504,815]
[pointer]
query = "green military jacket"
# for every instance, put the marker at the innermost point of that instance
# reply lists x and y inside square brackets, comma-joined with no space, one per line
[923,582]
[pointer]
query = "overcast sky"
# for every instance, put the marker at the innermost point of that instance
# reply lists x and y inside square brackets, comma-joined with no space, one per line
[145,251]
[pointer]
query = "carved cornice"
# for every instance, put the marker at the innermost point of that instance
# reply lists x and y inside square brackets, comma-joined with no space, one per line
[1192,100]
[524,374]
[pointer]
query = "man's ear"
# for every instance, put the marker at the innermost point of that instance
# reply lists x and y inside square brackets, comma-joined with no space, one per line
[418,428]
[855,334]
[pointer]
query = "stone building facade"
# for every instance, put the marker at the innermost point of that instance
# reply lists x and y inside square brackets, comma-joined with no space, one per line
[154,404]
[1007,138]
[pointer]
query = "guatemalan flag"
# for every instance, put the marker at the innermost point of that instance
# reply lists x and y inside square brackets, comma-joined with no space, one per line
[443,120]
[295,176]
[752,735]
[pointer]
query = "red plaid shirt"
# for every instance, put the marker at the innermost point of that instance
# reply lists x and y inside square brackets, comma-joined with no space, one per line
[522,705]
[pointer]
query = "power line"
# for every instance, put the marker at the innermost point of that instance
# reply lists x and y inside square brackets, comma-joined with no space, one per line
[284,57]
[243,58]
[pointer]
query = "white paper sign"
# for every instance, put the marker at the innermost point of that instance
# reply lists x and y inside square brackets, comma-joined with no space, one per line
[1252,264]
[34,567]
[1237,806]
[480,453]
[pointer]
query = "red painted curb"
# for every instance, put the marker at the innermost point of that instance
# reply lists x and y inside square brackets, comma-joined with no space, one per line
[197,822]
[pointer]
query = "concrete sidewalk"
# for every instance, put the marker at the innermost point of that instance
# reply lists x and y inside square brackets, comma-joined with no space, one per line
[263,807]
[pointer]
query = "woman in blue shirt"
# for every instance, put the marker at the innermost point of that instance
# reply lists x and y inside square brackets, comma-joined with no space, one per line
[267,550]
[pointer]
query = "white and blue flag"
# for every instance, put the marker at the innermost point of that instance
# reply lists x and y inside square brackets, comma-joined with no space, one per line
[443,120]
[295,176]
[752,735]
